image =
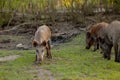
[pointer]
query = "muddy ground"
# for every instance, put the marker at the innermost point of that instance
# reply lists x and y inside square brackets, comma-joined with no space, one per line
[62,31]
[23,36]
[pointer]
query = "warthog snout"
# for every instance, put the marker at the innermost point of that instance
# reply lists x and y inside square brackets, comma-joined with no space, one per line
[40,53]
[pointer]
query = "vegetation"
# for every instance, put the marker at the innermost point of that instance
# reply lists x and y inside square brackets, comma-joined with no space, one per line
[35,10]
[70,62]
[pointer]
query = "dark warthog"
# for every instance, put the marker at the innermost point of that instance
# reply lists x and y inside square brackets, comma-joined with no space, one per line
[42,42]
[92,35]
[110,36]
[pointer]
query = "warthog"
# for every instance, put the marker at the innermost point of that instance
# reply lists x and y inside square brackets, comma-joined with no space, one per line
[110,37]
[41,42]
[92,35]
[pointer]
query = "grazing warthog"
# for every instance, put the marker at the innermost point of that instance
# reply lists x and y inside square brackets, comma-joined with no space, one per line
[92,35]
[110,37]
[42,43]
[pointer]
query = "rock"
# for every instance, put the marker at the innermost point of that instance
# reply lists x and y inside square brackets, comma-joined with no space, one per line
[22,47]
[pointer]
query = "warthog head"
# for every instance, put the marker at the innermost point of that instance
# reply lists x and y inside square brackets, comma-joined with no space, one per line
[40,50]
[89,40]
[105,46]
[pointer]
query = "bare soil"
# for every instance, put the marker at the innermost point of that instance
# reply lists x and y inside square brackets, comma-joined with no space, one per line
[8,58]
[61,32]
[41,74]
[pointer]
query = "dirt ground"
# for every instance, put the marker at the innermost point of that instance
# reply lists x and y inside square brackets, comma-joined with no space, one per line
[7,58]
[60,32]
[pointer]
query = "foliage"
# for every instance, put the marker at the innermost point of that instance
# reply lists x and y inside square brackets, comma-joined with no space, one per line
[50,8]
[41,5]
[117,6]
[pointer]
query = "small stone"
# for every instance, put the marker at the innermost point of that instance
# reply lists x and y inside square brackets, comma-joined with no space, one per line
[21,46]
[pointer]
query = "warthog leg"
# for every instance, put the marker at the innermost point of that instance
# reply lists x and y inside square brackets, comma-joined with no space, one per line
[48,47]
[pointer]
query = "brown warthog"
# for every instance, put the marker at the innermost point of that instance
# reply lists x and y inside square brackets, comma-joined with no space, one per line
[110,36]
[42,42]
[92,35]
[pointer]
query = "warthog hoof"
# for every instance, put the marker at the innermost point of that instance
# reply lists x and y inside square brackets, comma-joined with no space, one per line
[87,47]
[49,57]
[116,60]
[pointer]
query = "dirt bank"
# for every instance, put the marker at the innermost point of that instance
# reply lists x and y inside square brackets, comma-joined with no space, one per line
[61,32]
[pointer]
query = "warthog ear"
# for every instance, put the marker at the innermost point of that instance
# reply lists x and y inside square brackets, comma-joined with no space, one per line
[35,43]
[43,43]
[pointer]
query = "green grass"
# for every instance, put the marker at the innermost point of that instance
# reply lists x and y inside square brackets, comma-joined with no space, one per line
[71,61]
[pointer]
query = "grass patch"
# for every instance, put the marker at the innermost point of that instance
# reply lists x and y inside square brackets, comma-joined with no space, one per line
[71,61]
